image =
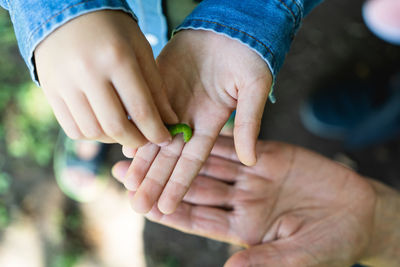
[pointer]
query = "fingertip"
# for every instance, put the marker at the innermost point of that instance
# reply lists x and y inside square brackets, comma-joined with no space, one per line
[134,143]
[140,203]
[120,169]
[130,183]
[129,152]
[164,138]
[166,206]
[167,142]
[171,197]
[248,159]
[246,151]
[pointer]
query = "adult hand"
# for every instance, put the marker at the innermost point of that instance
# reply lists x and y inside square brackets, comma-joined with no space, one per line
[95,71]
[293,208]
[207,76]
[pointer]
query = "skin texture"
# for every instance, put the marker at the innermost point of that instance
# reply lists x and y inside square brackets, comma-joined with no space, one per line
[207,76]
[95,71]
[293,208]
[181,128]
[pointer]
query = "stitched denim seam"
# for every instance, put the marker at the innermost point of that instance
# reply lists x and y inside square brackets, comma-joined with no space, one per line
[300,8]
[245,33]
[55,15]
[296,19]
[290,11]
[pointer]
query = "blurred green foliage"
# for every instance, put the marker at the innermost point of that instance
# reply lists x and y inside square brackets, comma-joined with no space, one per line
[5,183]
[28,131]
[171,261]
[4,216]
[27,126]
[74,246]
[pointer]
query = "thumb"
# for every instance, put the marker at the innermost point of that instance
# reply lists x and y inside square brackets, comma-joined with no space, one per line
[269,254]
[250,108]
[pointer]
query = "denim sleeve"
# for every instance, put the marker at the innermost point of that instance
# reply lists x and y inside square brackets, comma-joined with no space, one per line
[4,4]
[266,26]
[33,20]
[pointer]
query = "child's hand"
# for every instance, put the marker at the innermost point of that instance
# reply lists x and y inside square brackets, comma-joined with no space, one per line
[98,69]
[207,76]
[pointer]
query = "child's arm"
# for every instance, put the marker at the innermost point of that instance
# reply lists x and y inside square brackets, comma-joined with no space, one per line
[96,69]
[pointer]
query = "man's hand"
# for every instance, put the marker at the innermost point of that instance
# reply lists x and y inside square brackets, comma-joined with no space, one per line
[293,208]
[95,71]
[207,76]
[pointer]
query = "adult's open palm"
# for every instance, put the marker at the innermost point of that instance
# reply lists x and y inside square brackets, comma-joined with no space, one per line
[293,208]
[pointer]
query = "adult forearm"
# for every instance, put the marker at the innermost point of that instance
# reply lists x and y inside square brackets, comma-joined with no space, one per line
[384,249]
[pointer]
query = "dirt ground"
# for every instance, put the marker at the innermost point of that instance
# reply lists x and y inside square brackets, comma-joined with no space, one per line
[333,43]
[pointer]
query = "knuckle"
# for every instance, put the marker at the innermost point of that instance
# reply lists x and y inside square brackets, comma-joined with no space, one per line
[142,114]
[82,64]
[92,133]
[71,130]
[116,129]
[169,153]
[135,142]
[193,157]
[115,52]
[74,135]
[122,132]
[247,123]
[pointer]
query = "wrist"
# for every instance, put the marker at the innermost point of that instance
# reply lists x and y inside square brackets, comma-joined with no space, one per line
[384,248]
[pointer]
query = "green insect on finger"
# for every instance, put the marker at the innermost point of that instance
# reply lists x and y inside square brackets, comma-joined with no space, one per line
[181,128]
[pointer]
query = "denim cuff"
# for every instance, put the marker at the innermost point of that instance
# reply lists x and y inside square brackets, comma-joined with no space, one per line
[267,27]
[35,20]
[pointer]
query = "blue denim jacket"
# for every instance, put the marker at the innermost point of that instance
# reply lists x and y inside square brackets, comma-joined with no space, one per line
[266,26]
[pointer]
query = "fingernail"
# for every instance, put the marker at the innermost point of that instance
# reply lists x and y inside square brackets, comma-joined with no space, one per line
[165,143]
[166,206]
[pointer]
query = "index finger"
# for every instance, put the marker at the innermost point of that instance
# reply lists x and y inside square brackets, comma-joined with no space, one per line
[136,97]
[188,166]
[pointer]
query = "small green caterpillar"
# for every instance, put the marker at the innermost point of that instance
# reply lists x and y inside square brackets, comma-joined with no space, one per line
[181,128]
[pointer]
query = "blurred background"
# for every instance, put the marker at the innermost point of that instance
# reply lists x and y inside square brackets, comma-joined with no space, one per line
[39,226]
